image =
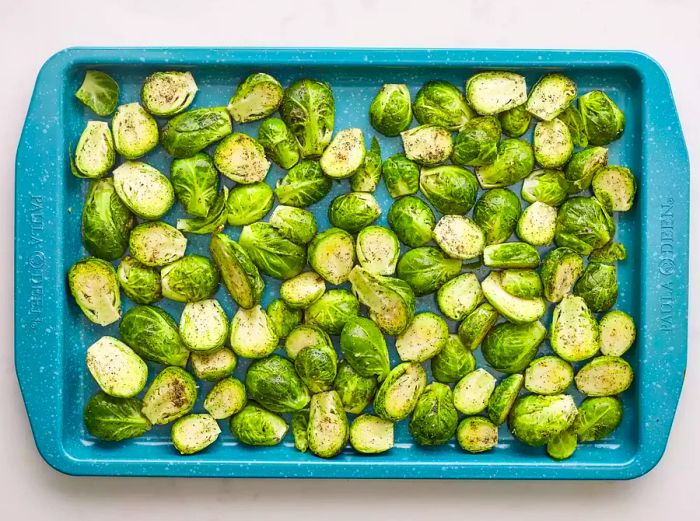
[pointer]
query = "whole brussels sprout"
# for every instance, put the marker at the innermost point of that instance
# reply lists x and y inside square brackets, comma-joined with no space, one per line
[94,154]
[196,183]
[332,255]
[477,142]
[453,362]
[193,433]
[140,283]
[239,274]
[583,165]
[194,130]
[364,348]
[476,325]
[116,368]
[427,145]
[552,143]
[472,392]
[214,221]
[378,250]
[241,158]
[355,391]
[279,143]
[308,109]
[367,177]
[252,335]
[296,224]
[515,309]
[434,420]
[424,337]
[515,122]
[145,190]
[303,290]
[258,427]
[573,120]
[256,97]
[609,254]
[215,364]
[511,255]
[135,132]
[509,348]
[598,286]
[168,93]
[450,189]
[203,325]
[304,336]
[371,434]
[99,92]
[441,103]
[225,399]
[583,225]
[353,211]
[171,395]
[550,96]
[400,175]
[459,237]
[477,434]
[156,243]
[597,418]
[274,384]
[400,391]
[522,283]
[575,335]
[460,296]
[561,268]
[604,376]
[497,212]
[190,279]
[412,220]
[535,419]
[614,187]
[304,185]
[328,425]
[563,445]
[345,154]
[425,269]
[548,375]
[94,286]
[546,186]
[317,366]
[514,162]
[153,335]
[274,255]
[603,120]
[492,92]
[390,112]
[247,204]
[300,430]
[332,311]
[115,419]
[503,398]
[106,221]
[617,333]
[283,319]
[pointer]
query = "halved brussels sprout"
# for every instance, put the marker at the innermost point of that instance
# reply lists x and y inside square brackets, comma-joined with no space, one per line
[93,284]
[453,362]
[609,254]
[552,143]
[251,333]
[247,204]
[144,189]
[583,166]
[225,399]
[99,92]
[459,237]
[425,269]
[196,183]
[304,185]
[300,430]
[194,130]
[332,311]
[516,121]
[460,296]
[106,221]
[241,158]
[424,337]
[550,96]
[367,177]
[156,243]
[371,434]
[583,225]
[283,319]
[434,420]
[257,427]
[511,255]
[603,120]
[427,145]
[203,325]
[135,132]
[279,143]
[535,419]
[546,186]
[355,391]
[497,212]
[561,268]
[308,109]
[171,395]
[116,368]
[537,223]
[476,325]
[412,220]
[617,333]
[574,331]
[522,283]
[572,118]
[274,384]
[563,445]
[213,222]
[477,142]
[140,283]
[114,419]
[190,279]
[515,309]
[168,93]
[345,154]
[450,189]
[296,224]
[328,430]
[364,348]
[597,418]
[495,91]
[513,163]
[614,187]
[194,433]
[400,391]
[503,398]
[400,175]
[441,103]
[378,250]
[303,336]
[509,348]
[332,255]
[353,211]
[598,286]
[256,97]
[303,290]
[94,155]
[472,392]
[604,376]
[317,367]
[274,255]
[390,112]
[213,365]
[477,434]
[548,375]
[239,274]
[153,335]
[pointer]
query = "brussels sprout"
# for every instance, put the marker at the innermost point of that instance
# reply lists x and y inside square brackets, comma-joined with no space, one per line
[194,130]
[308,109]
[300,430]
[561,268]
[94,155]
[256,97]
[106,221]
[303,290]
[476,325]
[168,93]
[441,103]
[583,165]
[472,392]
[225,399]
[196,183]
[503,398]
[367,177]
[390,112]
[617,333]
[614,187]
[412,220]
[537,223]
[93,284]
[328,430]
[355,391]
[574,332]
[509,348]
[114,419]
[514,162]
[304,185]
[515,309]
[258,427]
[460,296]
[400,391]
[296,224]
[400,175]
[572,119]
[598,286]
[563,445]
[425,269]
[552,143]
[279,143]
[583,225]
[546,186]
[99,92]
[135,132]
[203,325]
[283,319]
[495,91]
[597,418]
[604,376]
[332,255]
[535,419]
[116,368]
[213,365]
[241,158]
[378,250]
[427,145]
[194,433]
[332,311]
[548,375]
[609,254]
[274,384]
[453,362]
[213,222]
[477,142]
[603,120]
[364,348]
[450,189]
[153,335]
[424,337]
[146,191]
[156,243]
[390,301]
[550,96]
[477,434]
[516,121]
[434,420]
[252,335]
[353,211]
[190,279]
[497,212]
[140,283]
[274,255]
[247,204]
[459,237]
[371,434]
[345,155]
[317,367]
[170,396]
[303,336]
[511,255]
[239,274]
[522,283]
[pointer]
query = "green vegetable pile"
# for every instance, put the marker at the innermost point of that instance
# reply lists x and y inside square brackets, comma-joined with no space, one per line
[348,293]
